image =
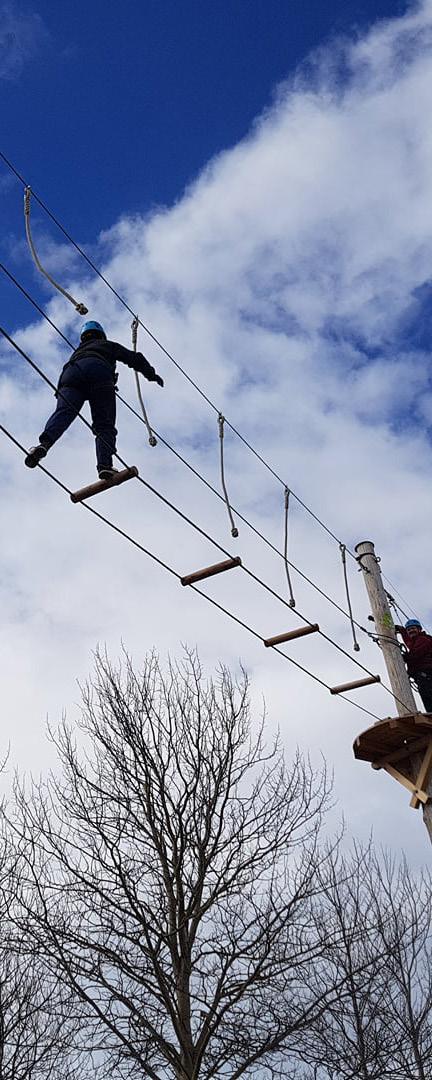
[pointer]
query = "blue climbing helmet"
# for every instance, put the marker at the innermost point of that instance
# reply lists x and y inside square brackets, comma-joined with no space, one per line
[91,325]
[412,622]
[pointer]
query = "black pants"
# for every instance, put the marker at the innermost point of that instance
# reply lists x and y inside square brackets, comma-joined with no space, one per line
[88,381]
[423,680]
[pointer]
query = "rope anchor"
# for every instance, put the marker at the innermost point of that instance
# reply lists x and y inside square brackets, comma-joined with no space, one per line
[234,529]
[152,437]
[80,308]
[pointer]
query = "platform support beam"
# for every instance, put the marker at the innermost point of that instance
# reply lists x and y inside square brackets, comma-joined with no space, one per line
[397,673]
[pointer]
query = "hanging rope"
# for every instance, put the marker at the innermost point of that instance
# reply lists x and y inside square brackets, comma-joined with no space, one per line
[221,422]
[80,308]
[287,571]
[342,548]
[134,328]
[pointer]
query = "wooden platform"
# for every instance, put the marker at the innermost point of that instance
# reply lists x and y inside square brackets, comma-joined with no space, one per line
[402,746]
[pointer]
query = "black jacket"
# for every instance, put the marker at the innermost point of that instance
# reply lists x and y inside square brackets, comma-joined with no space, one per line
[110,352]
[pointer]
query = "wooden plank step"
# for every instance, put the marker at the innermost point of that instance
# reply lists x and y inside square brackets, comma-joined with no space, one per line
[103,485]
[291,635]
[210,571]
[355,685]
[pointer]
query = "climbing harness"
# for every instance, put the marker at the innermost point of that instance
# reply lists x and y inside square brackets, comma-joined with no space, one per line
[221,422]
[291,599]
[342,548]
[152,437]
[80,308]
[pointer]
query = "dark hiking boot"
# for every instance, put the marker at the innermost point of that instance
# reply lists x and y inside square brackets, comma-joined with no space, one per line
[35,455]
[107,474]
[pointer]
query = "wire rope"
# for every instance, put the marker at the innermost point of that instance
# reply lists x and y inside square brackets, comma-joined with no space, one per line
[184,517]
[169,355]
[192,469]
[175,574]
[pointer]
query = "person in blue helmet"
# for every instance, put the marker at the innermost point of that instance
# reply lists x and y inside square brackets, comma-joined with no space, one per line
[90,375]
[418,658]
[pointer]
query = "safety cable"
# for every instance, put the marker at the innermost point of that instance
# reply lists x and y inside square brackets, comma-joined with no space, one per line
[234,529]
[192,469]
[397,606]
[169,355]
[175,574]
[196,527]
[134,327]
[285,554]
[343,555]
[80,308]
[185,518]
[392,604]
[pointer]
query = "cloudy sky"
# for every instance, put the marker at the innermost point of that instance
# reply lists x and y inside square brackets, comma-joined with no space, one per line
[284,261]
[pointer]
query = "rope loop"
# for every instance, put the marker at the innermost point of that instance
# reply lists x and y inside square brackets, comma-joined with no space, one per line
[287,494]
[342,548]
[221,422]
[134,328]
[80,308]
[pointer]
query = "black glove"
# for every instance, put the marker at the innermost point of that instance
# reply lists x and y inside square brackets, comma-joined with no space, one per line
[158,379]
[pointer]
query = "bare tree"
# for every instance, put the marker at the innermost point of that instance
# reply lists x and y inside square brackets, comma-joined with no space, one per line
[401,906]
[377,922]
[170,876]
[37,1018]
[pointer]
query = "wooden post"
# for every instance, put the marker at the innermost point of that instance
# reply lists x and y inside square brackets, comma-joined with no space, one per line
[384,625]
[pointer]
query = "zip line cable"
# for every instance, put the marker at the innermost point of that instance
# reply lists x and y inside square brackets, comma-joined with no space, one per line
[195,471]
[174,573]
[184,517]
[169,355]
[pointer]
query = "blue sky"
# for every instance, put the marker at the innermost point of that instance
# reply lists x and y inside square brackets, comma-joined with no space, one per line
[114,108]
[256,181]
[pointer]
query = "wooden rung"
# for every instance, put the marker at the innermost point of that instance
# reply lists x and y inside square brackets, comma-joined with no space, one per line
[210,571]
[354,685]
[103,485]
[301,632]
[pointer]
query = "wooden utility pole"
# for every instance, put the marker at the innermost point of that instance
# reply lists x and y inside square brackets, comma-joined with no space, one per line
[385,631]
[402,746]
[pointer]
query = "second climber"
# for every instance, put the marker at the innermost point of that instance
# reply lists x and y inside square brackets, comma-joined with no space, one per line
[90,375]
[418,658]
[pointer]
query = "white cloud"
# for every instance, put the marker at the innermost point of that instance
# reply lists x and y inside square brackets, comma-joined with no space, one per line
[279,281]
[21,36]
